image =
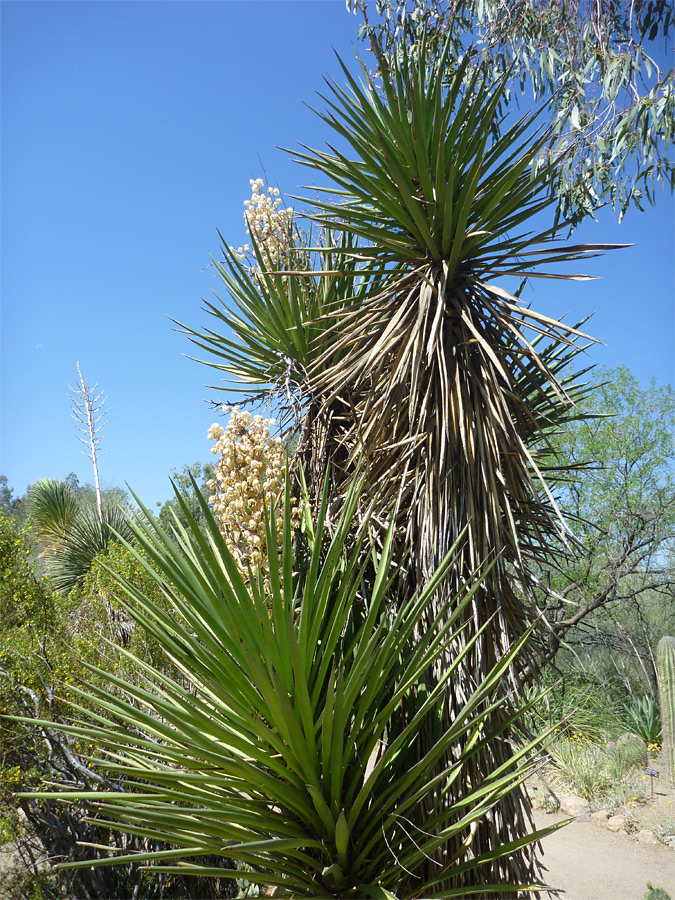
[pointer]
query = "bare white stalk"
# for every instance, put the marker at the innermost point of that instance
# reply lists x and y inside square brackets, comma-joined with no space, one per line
[89,413]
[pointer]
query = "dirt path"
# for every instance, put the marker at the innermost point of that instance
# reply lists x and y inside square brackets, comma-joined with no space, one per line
[589,863]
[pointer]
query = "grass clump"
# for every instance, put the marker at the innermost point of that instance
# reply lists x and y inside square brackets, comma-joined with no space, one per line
[602,773]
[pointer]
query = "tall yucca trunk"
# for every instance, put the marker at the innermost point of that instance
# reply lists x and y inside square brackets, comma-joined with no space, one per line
[440,456]
[437,368]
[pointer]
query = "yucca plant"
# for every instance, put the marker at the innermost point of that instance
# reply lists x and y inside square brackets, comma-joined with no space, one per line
[290,743]
[273,324]
[88,535]
[70,534]
[53,509]
[424,375]
[450,392]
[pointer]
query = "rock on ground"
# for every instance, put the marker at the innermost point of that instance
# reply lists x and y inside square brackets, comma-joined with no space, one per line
[573,805]
[616,823]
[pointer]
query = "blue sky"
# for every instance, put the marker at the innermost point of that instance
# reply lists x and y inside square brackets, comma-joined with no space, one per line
[129,134]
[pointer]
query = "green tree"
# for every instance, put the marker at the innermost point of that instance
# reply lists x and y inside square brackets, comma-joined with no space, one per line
[6,492]
[45,642]
[596,65]
[22,596]
[13,507]
[612,594]
[6,499]
[37,651]
[183,482]
[85,494]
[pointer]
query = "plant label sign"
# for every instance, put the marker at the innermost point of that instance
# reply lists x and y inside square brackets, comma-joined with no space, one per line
[653,773]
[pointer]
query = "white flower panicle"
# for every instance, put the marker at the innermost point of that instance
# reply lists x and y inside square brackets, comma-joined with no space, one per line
[215,432]
[271,227]
[249,477]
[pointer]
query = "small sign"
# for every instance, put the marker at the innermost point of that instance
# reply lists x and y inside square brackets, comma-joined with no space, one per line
[651,772]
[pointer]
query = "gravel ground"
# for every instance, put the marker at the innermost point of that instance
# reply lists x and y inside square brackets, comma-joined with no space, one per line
[590,863]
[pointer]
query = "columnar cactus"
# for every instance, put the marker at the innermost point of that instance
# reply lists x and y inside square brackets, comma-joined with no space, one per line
[665,662]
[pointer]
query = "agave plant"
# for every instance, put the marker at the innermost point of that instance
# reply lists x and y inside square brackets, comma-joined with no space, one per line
[290,743]
[423,374]
[644,718]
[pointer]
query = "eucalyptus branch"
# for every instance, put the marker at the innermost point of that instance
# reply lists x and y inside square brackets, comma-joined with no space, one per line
[611,106]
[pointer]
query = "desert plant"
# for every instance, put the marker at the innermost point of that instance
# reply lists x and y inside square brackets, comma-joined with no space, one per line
[655,893]
[632,748]
[644,720]
[603,773]
[291,743]
[248,476]
[582,766]
[53,508]
[89,414]
[577,705]
[89,534]
[665,660]
[72,534]
[417,371]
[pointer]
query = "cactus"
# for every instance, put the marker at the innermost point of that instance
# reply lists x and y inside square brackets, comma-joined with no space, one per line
[655,893]
[632,749]
[665,663]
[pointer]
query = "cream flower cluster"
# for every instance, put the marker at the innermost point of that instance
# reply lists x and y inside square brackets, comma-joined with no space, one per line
[249,476]
[271,227]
